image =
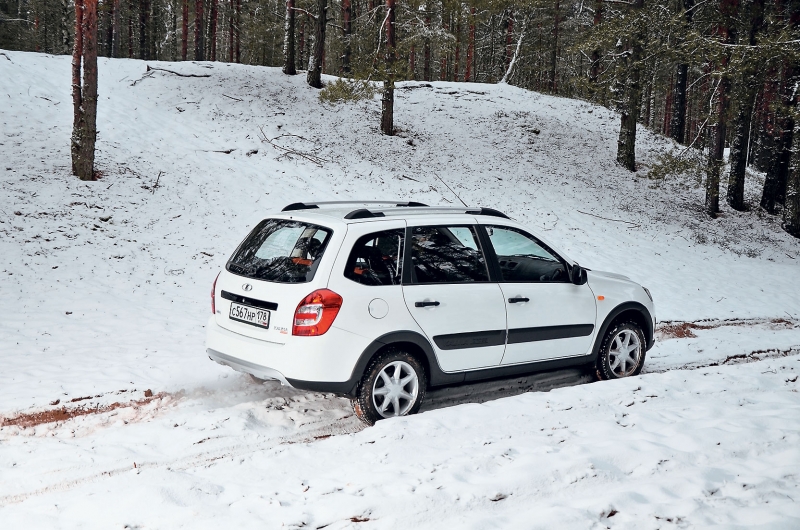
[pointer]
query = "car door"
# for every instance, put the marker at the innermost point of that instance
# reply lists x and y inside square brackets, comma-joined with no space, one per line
[548,316]
[448,291]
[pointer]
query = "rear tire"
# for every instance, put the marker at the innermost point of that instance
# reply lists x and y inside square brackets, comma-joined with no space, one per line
[622,352]
[393,385]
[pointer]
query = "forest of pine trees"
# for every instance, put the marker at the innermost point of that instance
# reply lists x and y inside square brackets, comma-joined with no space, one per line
[711,74]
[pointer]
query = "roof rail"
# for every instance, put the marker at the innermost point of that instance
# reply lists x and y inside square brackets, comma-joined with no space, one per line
[312,205]
[442,209]
[363,213]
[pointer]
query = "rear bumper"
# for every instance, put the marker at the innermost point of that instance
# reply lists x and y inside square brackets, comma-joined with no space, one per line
[262,372]
[321,364]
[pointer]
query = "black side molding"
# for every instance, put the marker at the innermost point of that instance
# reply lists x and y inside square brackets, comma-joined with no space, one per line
[475,339]
[239,299]
[519,335]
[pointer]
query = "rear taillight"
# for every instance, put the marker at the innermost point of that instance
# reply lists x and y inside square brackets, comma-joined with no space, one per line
[214,296]
[315,314]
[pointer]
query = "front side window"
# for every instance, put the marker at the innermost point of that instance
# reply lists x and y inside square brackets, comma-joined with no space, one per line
[447,254]
[279,250]
[377,259]
[524,259]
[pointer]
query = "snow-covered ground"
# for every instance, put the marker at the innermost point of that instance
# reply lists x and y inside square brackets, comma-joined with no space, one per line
[106,289]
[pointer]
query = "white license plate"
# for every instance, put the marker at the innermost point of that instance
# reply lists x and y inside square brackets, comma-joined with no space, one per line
[249,315]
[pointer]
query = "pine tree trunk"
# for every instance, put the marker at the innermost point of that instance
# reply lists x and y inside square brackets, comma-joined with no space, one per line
[152,31]
[507,75]
[314,76]
[77,93]
[65,26]
[109,27]
[763,145]
[774,193]
[716,149]
[144,16]
[677,123]
[302,43]
[116,38]
[387,100]
[199,48]
[791,210]
[426,66]
[231,30]
[667,107]
[130,34]
[288,40]
[776,182]
[84,132]
[554,52]
[444,51]
[509,36]
[742,122]
[632,102]
[237,32]
[594,69]
[185,30]
[470,46]
[212,36]
[457,51]
[738,156]
[347,24]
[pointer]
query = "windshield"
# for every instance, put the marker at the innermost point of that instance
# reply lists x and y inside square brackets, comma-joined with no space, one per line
[282,251]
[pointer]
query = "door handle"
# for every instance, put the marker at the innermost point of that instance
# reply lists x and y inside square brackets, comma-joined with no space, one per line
[518,300]
[425,304]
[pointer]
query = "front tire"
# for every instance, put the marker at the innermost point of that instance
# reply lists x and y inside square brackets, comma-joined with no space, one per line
[622,352]
[393,385]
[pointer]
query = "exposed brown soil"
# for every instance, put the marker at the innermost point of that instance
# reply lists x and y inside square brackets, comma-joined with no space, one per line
[32,419]
[685,330]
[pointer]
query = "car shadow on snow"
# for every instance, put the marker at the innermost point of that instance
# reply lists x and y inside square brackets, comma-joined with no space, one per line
[484,391]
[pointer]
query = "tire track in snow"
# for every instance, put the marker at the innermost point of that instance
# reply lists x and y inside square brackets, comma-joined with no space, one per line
[480,392]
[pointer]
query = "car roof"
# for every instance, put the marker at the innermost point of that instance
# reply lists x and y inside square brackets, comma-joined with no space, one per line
[335,213]
[360,211]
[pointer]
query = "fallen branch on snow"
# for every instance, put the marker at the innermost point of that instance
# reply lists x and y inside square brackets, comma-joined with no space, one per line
[288,151]
[633,225]
[176,73]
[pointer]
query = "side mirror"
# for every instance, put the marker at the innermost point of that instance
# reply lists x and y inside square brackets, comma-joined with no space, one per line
[578,275]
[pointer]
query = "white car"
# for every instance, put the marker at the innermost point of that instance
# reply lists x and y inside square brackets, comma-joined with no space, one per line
[381,302]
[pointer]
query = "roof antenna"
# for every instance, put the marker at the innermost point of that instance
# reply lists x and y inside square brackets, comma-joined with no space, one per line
[451,190]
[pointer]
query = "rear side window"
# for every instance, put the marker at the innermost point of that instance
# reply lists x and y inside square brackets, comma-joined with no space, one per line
[447,254]
[377,259]
[282,251]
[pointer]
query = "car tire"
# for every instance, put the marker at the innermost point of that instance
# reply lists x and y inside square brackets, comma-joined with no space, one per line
[622,352]
[393,385]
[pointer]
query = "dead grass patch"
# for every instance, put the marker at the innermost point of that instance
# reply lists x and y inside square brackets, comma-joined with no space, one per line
[685,330]
[64,413]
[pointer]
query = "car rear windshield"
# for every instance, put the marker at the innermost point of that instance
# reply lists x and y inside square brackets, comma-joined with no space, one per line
[282,251]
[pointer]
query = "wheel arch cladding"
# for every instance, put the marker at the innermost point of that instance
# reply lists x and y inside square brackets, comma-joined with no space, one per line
[416,345]
[626,312]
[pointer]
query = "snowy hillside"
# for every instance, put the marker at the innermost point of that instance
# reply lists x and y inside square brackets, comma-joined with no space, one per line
[106,287]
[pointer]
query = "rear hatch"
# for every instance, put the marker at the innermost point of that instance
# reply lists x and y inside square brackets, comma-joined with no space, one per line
[274,268]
